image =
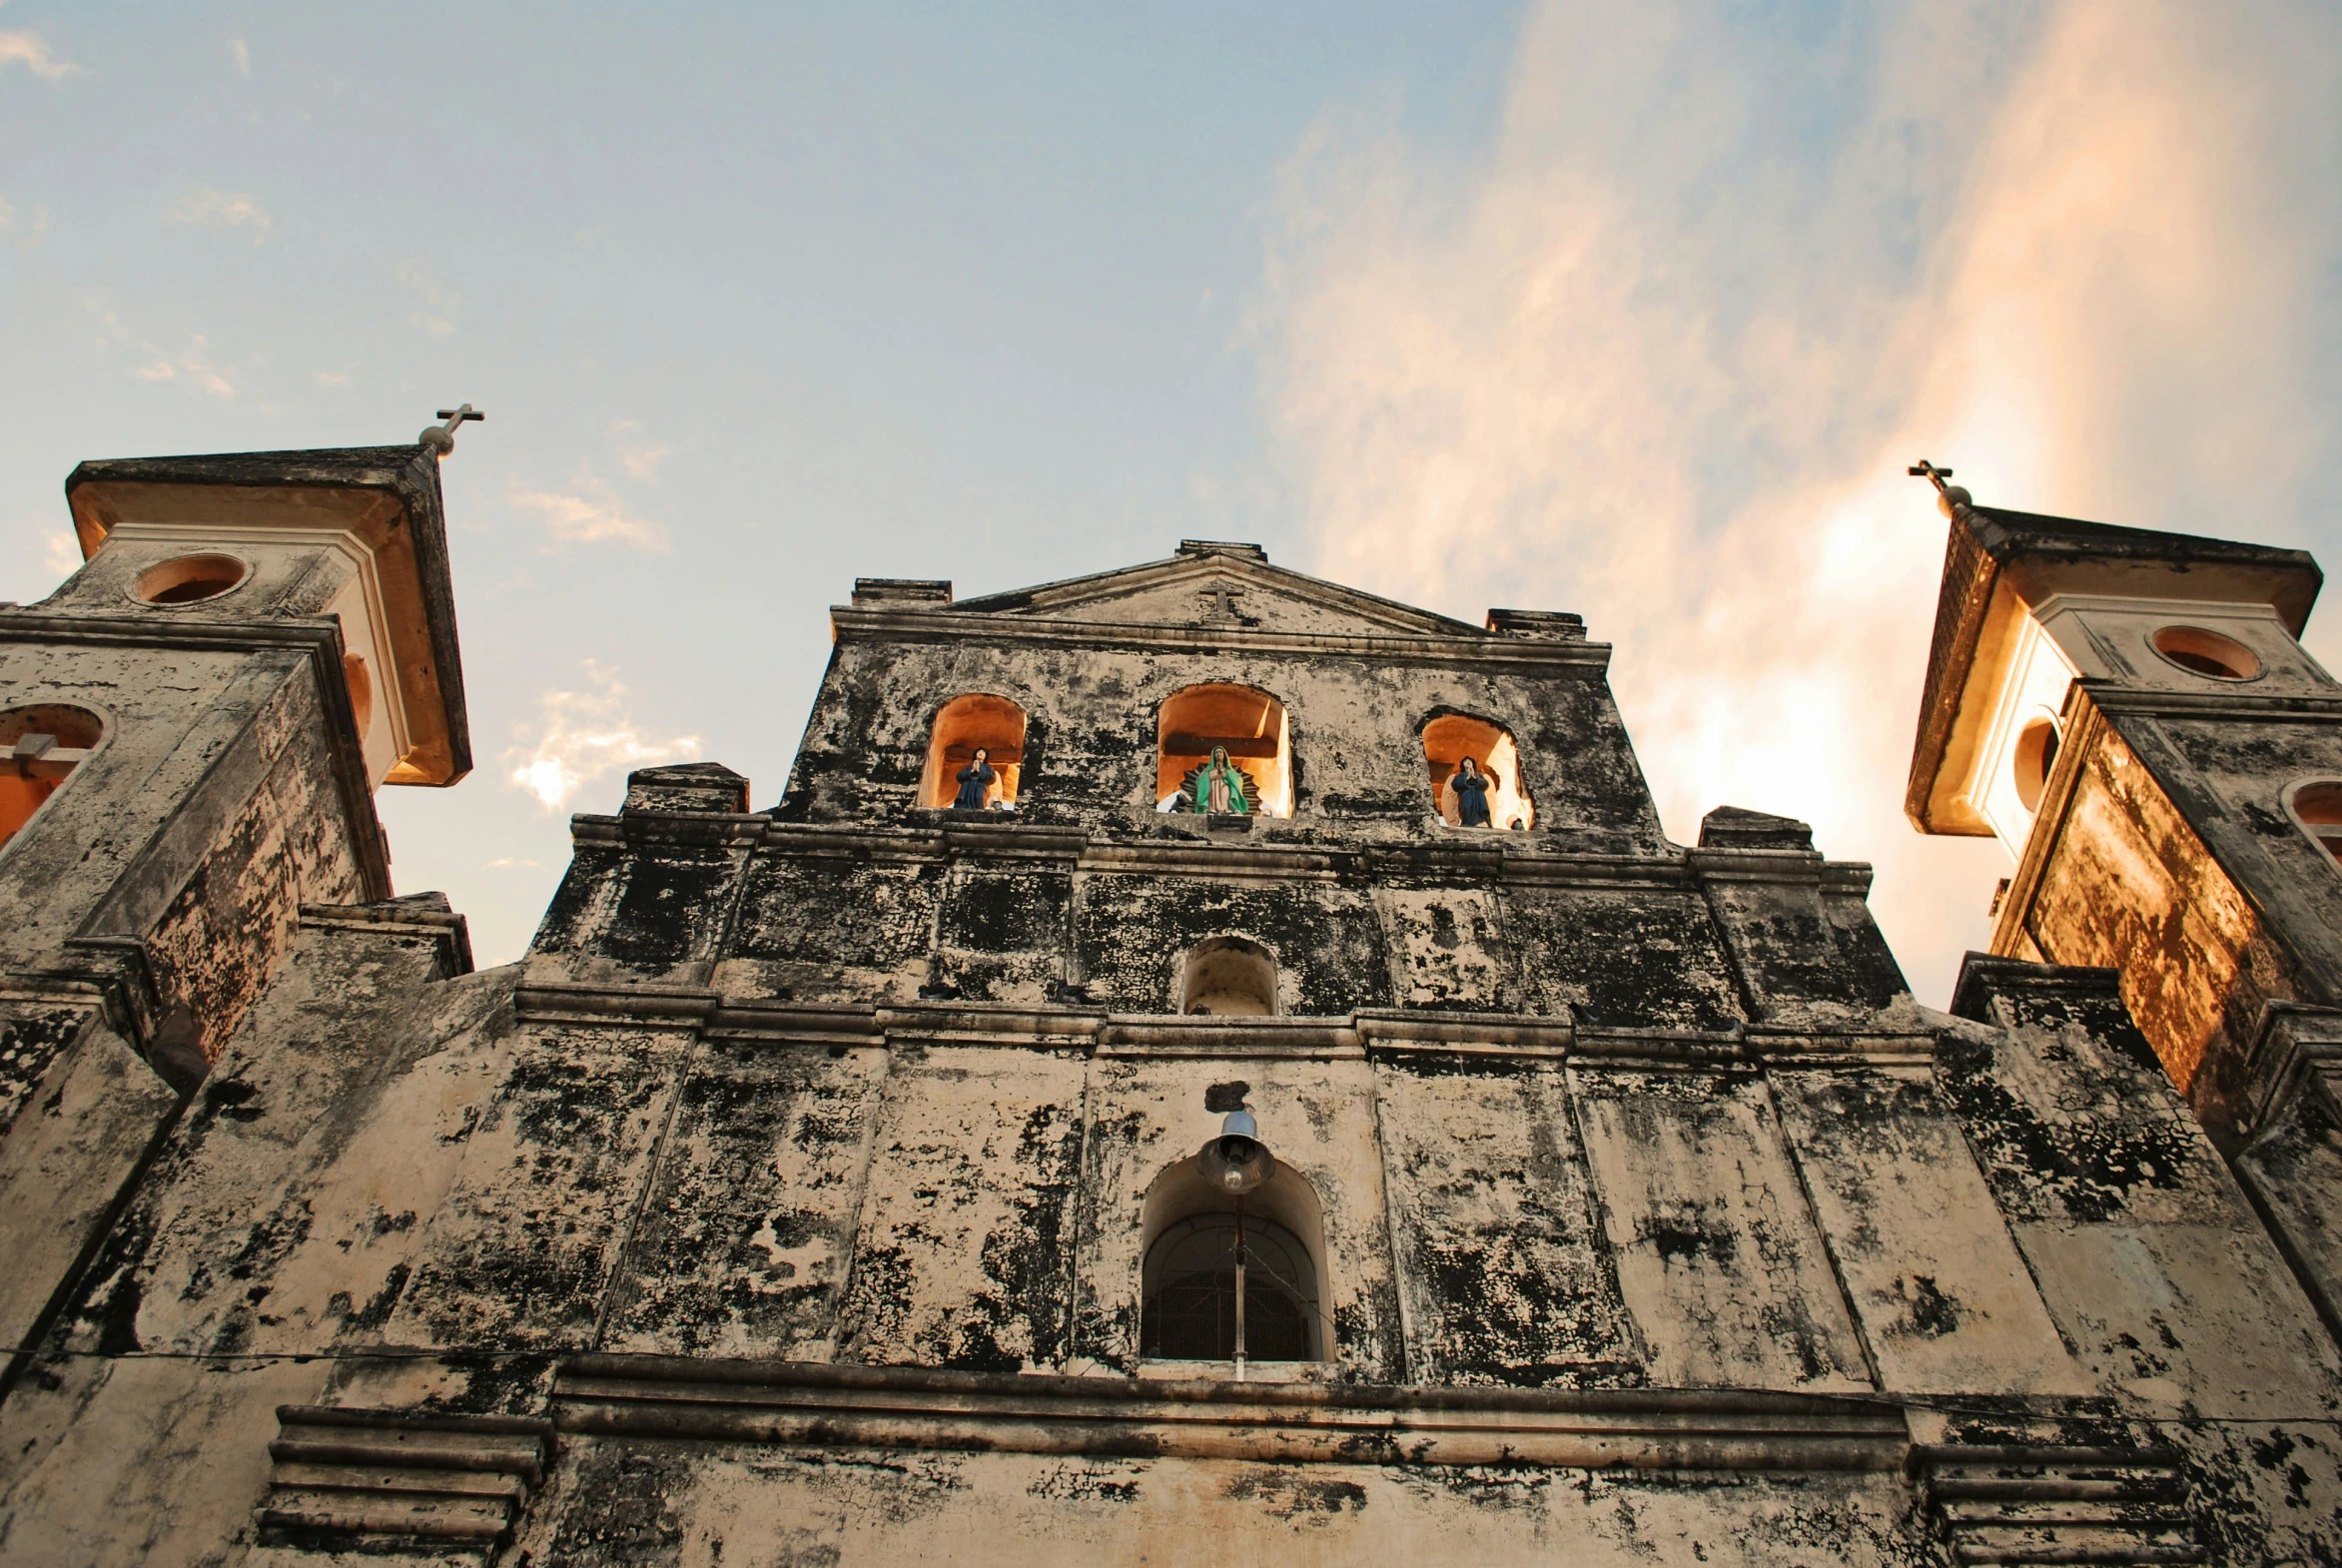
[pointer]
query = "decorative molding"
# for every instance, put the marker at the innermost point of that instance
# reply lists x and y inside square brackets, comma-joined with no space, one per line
[1991,1503]
[397,917]
[994,628]
[344,1478]
[1289,1423]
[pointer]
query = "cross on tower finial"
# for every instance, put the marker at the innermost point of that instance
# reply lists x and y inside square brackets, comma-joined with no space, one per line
[1950,499]
[441,439]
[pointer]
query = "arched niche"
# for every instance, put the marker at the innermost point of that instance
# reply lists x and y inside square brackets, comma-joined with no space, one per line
[1249,723]
[978,720]
[1228,977]
[1450,738]
[1189,1228]
[39,746]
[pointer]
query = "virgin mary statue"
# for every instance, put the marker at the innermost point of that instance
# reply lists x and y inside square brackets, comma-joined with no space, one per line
[1220,786]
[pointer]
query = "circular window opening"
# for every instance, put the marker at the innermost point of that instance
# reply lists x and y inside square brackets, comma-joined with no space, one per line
[2036,754]
[2207,653]
[188,579]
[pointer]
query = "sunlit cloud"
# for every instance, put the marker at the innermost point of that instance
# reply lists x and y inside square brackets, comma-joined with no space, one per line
[333,377]
[437,315]
[637,455]
[60,551]
[22,46]
[1662,358]
[221,210]
[242,55]
[590,512]
[582,736]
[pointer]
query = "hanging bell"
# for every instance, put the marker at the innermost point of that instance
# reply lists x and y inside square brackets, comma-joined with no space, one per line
[1238,1161]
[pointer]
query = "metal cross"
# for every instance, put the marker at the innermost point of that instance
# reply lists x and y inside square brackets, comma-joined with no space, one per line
[1933,474]
[441,439]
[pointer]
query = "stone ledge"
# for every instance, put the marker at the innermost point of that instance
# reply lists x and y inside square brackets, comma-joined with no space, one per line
[381,1478]
[678,1398]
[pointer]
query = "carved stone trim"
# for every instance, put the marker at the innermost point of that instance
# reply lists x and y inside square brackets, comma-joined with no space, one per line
[343,1477]
[1289,1423]
[2055,1504]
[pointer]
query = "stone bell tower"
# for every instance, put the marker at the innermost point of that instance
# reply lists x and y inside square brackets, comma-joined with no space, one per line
[2133,716]
[192,728]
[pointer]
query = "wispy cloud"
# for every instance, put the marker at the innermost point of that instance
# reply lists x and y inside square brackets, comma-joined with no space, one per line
[60,551]
[1663,357]
[590,512]
[22,46]
[193,366]
[30,232]
[583,734]
[221,210]
[636,454]
[242,55]
[437,315]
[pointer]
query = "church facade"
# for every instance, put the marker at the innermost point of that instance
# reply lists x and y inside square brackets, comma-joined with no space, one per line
[1194,1062]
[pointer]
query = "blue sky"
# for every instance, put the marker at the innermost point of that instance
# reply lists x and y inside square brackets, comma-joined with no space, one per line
[1627,310]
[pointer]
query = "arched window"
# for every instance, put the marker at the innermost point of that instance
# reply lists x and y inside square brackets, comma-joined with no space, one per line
[1229,976]
[1248,727]
[39,747]
[1450,738]
[963,726]
[1188,1300]
[2317,809]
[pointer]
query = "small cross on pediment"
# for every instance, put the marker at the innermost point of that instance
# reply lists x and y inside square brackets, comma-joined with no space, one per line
[1219,605]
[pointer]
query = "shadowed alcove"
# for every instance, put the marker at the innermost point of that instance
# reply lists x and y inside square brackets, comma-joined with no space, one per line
[962,726]
[39,747]
[1249,724]
[1450,738]
[1187,1290]
[1229,976]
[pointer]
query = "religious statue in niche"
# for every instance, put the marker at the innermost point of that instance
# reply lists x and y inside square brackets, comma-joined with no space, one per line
[1218,788]
[976,781]
[1472,794]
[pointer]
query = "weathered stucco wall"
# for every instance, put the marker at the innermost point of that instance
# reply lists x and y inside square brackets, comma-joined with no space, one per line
[791,1200]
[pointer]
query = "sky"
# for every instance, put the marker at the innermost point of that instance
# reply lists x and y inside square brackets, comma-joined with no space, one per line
[1637,311]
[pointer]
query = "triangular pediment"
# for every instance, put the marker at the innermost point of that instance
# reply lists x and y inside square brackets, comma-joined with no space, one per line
[1223,588]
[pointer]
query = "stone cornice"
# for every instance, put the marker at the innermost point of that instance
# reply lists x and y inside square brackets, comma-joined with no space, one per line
[2241,704]
[1512,860]
[904,624]
[1209,1419]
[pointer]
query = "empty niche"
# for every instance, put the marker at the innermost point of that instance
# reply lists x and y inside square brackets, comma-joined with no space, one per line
[1229,976]
[2316,808]
[1450,738]
[1187,1291]
[964,726]
[39,746]
[1248,724]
